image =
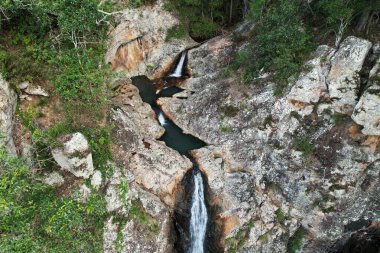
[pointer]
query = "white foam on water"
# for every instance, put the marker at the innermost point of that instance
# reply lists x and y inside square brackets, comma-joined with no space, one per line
[198,220]
[178,70]
[161,119]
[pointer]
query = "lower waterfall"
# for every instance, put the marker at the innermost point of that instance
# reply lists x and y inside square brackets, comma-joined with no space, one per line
[198,220]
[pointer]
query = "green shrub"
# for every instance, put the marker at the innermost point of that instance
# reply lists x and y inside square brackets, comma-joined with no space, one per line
[295,241]
[64,47]
[100,141]
[139,3]
[204,28]
[304,144]
[33,218]
[256,9]
[175,32]
[228,111]
[203,18]
[280,215]
[280,44]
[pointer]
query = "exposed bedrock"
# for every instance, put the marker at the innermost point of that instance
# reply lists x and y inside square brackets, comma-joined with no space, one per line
[152,172]
[367,110]
[138,43]
[8,102]
[278,164]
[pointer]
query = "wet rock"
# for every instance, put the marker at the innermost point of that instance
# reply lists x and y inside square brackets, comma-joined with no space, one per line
[8,101]
[343,79]
[138,44]
[75,155]
[54,179]
[232,188]
[363,240]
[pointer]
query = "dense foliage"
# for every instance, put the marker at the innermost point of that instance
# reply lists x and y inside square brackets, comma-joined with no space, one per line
[281,44]
[204,19]
[33,218]
[58,45]
[60,42]
[287,31]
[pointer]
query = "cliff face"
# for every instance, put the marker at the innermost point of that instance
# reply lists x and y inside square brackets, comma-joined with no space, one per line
[304,165]
[277,167]
[282,163]
[138,43]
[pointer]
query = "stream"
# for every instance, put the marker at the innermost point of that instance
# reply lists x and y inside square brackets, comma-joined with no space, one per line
[183,143]
[173,136]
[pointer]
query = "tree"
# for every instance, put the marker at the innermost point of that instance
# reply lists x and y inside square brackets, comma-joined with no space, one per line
[339,14]
[206,18]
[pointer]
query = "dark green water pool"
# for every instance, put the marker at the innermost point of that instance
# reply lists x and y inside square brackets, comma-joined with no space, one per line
[174,136]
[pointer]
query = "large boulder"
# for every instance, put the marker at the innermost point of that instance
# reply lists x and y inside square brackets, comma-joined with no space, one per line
[133,115]
[138,44]
[159,169]
[311,84]
[74,155]
[141,218]
[343,79]
[367,111]
[8,101]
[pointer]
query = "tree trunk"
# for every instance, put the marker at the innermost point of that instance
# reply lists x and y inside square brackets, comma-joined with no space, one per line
[363,21]
[245,7]
[231,5]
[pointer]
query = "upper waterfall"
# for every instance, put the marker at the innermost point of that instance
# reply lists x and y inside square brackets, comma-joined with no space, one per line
[178,71]
[161,118]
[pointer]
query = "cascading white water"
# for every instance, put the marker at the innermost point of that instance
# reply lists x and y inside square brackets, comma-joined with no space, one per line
[198,220]
[161,118]
[178,70]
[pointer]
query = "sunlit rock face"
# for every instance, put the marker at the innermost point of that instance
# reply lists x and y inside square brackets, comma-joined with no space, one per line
[273,164]
[265,182]
[343,79]
[311,85]
[367,110]
[8,101]
[75,155]
[138,43]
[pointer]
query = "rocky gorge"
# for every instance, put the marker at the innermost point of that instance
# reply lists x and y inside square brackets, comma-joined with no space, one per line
[302,166]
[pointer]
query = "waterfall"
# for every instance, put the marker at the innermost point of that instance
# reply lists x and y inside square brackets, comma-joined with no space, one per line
[198,220]
[161,119]
[178,70]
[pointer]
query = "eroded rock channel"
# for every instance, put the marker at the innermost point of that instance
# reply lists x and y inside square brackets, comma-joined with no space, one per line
[194,229]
